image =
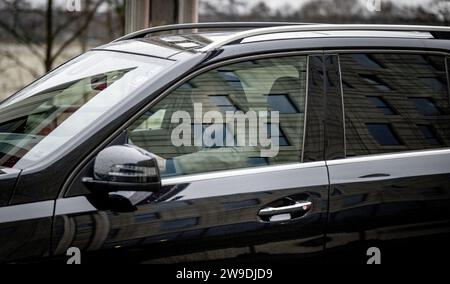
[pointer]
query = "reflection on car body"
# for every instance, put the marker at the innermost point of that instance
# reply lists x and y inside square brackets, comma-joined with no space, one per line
[87,158]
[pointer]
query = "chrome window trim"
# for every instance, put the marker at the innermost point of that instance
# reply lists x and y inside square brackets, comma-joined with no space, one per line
[239,172]
[167,92]
[343,104]
[391,156]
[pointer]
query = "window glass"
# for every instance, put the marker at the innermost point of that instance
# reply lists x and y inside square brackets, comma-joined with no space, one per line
[402,105]
[48,115]
[367,61]
[429,134]
[383,134]
[382,105]
[248,114]
[426,106]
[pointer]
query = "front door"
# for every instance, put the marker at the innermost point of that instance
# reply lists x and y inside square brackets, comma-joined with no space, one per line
[242,178]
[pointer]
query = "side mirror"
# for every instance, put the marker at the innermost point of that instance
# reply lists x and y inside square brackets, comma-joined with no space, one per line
[124,168]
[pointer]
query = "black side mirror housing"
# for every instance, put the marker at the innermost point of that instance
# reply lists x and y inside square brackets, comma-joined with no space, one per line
[124,168]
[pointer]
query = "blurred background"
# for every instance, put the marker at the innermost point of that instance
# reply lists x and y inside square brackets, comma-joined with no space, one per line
[38,35]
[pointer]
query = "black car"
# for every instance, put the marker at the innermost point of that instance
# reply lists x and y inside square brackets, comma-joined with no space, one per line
[240,142]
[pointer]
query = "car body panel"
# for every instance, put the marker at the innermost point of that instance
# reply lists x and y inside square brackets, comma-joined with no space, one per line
[397,203]
[25,231]
[217,219]
[8,180]
[204,220]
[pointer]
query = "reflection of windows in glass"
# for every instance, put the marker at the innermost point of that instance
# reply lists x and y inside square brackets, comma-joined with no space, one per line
[416,98]
[232,79]
[429,134]
[282,139]
[282,104]
[368,61]
[434,83]
[426,106]
[347,84]
[376,82]
[224,103]
[382,105]
[383,134]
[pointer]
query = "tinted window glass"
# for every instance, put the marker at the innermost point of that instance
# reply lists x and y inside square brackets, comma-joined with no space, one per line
[383,134]
[382,105]
[402,105]
[223,109]
[429,134]
[426,106]
[281,103]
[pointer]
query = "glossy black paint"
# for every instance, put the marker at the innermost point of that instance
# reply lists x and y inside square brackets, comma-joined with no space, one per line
[218,218]
[401,206]
[8,179]
[26,241]
[25,231]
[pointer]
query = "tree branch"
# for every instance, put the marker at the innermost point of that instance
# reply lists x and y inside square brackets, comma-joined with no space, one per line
[80,31]
[11,56]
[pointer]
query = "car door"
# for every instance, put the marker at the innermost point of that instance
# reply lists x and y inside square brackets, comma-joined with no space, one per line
[239,200]
[390,196]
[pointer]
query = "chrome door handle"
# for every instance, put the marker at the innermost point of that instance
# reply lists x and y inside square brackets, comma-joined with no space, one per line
[303,206]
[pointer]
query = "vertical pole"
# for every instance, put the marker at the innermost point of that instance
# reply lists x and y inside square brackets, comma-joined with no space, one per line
[188,11]
[137,15]
[140,14]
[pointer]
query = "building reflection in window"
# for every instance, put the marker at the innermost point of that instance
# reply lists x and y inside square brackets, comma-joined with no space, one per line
[426,106]
[429,134]
[383,134]
[382,105]
[395,102]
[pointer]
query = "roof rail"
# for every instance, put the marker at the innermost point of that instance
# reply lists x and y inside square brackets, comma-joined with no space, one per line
[213,25]
[238,37]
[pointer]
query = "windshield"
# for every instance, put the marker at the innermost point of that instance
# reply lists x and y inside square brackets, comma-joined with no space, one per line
[49,113]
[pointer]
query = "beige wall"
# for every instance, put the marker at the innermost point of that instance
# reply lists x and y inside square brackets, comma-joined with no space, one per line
[16,71]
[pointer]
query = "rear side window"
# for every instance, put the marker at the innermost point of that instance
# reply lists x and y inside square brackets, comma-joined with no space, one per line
[395,102]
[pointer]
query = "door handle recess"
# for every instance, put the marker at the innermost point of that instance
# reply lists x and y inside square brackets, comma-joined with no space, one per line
[303,206]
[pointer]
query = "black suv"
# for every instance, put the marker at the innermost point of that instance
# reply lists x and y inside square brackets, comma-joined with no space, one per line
[255,142]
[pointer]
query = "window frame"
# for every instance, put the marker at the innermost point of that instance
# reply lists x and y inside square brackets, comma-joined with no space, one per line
[339,52]
[226,63]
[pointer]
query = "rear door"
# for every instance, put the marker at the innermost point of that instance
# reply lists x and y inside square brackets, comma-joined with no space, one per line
[392,191]
[232,198]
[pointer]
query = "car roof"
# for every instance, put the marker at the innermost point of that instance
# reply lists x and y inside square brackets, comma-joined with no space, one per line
[174,43]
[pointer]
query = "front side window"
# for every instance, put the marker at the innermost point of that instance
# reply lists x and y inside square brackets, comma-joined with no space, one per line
[57,108]
[248,114]
[402,106]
